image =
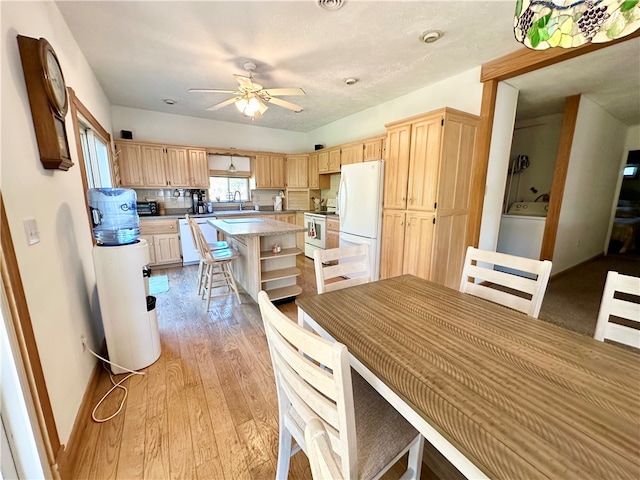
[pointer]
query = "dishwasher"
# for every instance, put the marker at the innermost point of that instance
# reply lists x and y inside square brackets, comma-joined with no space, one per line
[189,254]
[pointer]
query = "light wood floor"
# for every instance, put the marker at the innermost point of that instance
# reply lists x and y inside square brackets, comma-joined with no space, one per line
[207,409]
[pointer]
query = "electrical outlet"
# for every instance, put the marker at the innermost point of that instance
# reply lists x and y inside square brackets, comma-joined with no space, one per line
[83,339]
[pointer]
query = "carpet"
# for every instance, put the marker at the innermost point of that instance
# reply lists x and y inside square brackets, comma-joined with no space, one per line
[158,284]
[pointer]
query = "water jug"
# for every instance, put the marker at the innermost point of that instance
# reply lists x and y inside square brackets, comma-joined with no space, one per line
[114,216]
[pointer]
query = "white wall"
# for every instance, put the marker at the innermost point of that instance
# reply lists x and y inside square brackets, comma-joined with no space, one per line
[537,138]
[177,129]
[462,92]
[501,136]
[590,189]
[57,273]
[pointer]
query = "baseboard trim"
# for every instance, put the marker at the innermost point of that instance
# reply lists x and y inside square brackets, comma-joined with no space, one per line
[575,267]
[69,453]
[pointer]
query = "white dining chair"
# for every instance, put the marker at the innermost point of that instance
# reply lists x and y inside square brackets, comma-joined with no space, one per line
[323,462]
[217,275]
[342,267]
[515,282]
[624,308]
[314,380]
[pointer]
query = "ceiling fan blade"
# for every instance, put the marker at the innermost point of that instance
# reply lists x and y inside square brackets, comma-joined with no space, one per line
[223,104]
[211,90]
[284,103]
[275,92]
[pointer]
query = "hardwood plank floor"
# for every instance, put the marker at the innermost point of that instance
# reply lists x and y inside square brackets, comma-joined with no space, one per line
[207,409]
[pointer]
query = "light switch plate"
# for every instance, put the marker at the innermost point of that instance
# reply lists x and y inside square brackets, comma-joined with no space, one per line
[31,230]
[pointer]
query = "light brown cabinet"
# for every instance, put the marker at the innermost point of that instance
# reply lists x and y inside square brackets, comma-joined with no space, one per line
[130,165]
[329,161]
[198,168]
[323,162]
[314,181]
[373,149]
[333,233]
[297,171]
[406,243]
[163,239]
[334,160]
[152,165]
[268,171]
[426,195]
[352,153]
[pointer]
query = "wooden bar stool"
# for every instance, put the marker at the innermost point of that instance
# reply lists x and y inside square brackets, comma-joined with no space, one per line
[217,276]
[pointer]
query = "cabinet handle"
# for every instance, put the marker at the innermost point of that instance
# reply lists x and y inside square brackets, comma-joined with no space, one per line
[401,223]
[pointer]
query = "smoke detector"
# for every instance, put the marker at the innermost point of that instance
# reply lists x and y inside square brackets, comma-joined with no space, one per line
[331,4]
[350,81]
[430,36]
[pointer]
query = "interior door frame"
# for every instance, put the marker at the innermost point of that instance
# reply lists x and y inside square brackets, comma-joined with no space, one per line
[508,66]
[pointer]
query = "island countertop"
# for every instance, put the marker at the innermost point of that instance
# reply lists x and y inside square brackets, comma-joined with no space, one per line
[254,227]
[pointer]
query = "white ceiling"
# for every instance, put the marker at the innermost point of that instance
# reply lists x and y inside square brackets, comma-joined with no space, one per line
[143,52]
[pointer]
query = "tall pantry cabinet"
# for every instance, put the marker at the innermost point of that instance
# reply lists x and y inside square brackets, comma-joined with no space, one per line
[426,195]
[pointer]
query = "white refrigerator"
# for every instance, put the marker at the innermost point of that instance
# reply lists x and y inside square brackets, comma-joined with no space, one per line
[360,208]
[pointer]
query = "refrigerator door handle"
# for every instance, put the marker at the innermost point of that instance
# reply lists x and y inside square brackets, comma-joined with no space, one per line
[342,196]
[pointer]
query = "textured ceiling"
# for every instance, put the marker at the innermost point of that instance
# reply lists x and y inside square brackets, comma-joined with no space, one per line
[143,52]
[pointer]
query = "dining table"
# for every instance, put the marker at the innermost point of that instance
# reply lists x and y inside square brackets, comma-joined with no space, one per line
[500,394]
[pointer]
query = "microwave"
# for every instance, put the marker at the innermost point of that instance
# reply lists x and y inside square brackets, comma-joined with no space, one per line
[147,208]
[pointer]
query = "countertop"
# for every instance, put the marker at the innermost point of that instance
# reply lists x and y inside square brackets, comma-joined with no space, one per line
[254,227]
[223,213]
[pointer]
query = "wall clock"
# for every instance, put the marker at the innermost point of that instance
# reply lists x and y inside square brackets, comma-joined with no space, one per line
[48,100]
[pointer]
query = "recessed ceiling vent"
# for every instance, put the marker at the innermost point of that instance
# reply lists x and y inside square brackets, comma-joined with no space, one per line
[331,4]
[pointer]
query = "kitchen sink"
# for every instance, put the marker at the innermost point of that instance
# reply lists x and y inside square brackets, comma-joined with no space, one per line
[244,220]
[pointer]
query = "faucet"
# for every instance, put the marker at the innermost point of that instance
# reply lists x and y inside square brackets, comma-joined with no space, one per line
[237,192]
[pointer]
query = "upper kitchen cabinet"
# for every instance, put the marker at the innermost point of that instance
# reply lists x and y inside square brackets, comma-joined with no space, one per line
[152,165]
[198,168]
[396,170]
[334,160]
[373,149]
[314,180]
[323,162]
[298,171]
[352,153]
[268,171]
[129,157]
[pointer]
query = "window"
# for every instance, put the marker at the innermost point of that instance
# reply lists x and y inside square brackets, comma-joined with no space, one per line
[96,156]
[222,189]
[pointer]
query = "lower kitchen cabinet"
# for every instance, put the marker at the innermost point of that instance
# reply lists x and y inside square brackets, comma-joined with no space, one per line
[300,235]
[163,239]
[407,244]
[333,233]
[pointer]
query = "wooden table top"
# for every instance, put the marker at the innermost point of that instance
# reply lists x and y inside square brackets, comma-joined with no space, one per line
[519,397]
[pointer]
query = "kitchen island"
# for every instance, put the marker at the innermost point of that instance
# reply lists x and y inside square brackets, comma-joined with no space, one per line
[258,267]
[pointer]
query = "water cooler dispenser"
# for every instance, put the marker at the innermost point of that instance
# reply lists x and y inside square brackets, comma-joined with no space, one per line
[121,263]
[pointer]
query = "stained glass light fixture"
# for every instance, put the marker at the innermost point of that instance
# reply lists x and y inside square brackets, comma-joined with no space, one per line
[541,24]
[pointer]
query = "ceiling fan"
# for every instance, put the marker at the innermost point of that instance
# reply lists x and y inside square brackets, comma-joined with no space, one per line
[250,97]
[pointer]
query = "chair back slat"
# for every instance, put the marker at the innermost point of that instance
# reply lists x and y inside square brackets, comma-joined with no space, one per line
[512,281]
[623,308]
[353,267]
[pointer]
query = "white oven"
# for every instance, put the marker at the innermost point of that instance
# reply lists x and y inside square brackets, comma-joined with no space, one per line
[314,236]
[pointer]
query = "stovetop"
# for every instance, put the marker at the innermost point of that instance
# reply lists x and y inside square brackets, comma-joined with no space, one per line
[323,213]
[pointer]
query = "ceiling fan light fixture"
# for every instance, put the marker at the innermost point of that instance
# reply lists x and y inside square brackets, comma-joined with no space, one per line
[540,25]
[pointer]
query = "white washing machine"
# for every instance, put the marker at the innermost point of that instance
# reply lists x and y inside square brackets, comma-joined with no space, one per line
[522,229]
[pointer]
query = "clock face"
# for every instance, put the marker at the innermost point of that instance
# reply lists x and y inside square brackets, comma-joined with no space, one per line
[54,80]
